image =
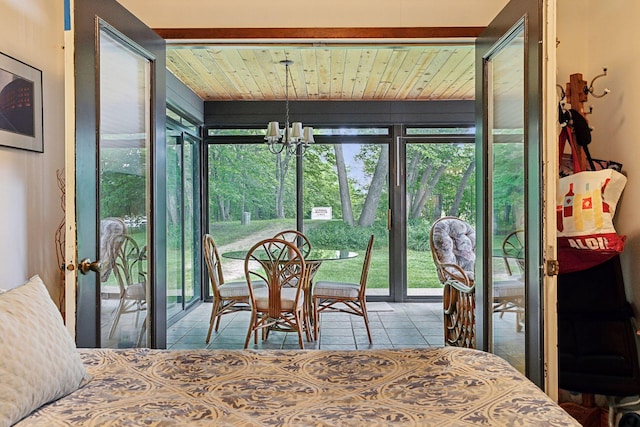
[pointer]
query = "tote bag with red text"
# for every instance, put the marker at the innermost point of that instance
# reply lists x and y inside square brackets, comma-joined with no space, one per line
[585,209]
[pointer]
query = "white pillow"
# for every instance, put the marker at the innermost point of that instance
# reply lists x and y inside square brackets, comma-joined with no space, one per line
[38,358]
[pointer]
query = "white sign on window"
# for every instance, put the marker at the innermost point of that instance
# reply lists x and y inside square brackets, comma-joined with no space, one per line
[321,213]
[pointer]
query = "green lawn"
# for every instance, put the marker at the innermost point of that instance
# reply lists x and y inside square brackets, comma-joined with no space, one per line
[421,271]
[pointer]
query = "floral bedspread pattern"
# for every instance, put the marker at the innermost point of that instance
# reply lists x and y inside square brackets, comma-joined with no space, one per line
[447,386]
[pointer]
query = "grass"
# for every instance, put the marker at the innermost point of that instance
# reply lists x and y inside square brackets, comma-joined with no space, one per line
[229,232]
[420,268]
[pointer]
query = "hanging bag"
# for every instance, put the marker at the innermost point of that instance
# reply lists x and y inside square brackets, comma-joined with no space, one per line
[585,209]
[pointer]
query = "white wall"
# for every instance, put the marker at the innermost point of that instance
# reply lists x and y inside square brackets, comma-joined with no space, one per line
[32,32]
[312,13]
[594,34]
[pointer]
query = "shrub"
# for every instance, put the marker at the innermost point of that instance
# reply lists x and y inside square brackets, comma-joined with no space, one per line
[337,234]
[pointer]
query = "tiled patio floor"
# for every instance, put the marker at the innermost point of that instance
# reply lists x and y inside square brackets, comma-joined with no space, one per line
[393,325]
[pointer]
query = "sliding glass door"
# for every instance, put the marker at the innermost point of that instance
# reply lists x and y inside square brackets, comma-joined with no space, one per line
[345,195]
[183,219]
[351,183]
[440,181]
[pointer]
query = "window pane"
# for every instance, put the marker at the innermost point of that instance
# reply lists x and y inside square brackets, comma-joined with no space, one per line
[440,181]
[346,200]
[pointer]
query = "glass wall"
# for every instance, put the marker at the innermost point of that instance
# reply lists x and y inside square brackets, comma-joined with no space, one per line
[183,215]
[440,181]
[344,179]
[346,200]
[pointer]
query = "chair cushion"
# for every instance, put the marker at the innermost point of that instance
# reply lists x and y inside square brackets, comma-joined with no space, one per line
[455,242]
[38,357]
[239,289]
[287,296]
[336,289]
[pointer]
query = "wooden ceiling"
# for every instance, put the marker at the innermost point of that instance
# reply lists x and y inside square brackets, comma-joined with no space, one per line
[336,72]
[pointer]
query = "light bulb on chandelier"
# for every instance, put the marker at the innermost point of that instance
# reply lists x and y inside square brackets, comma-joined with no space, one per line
[291,137]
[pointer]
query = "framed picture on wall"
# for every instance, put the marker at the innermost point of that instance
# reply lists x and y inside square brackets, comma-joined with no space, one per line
[20,105]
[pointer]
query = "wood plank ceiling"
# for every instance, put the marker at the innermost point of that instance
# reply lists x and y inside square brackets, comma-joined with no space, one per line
[326,72]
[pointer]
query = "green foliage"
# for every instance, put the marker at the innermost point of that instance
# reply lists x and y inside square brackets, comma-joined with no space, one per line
[418,234]
[242,178]
[437,169]
[508,186]
[319,180]
[337,234]
[123,182]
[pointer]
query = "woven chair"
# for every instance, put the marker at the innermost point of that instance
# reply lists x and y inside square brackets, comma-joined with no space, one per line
[508,294]
[129,267]
[302,242]
[227,297]
[453,244]
[513,248]
[279,306]
[110,229]
[343,296]
[298,238]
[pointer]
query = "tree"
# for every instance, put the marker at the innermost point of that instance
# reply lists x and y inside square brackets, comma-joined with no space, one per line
[343,185]
[320,187]
[282,167]
[123,182]
[241,179]
[461,187]
[378,181]
[436,169]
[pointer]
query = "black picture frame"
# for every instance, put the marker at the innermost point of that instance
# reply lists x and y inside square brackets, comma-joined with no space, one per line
[21,114]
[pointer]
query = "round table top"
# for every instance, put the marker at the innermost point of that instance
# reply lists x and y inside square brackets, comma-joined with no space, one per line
[316,255]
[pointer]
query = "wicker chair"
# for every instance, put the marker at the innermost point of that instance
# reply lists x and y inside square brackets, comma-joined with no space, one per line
[129,266]
[297,237]
[453,244]
[227,297]
[513,248]
[279,306]
[343,296]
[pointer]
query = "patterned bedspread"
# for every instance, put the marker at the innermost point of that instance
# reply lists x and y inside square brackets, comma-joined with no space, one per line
[447,386]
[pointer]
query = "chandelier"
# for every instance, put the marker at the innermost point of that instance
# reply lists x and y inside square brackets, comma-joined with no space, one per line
[291,137]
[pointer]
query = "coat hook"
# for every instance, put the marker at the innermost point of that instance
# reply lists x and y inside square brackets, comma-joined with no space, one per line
[590,88]
[563,95]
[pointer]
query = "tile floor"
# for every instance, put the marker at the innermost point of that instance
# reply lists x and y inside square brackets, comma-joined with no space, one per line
[393,325]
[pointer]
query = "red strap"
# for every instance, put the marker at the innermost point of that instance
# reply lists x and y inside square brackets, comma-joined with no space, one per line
[567,135]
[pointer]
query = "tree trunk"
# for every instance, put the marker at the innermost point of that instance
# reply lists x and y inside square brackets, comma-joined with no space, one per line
[223,211]
[343,185]
[463,184]
[420,192]
[372,200]
[410,181]
[282,166]
[429,189]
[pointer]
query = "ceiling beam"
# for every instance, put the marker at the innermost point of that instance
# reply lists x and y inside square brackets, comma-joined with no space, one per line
[319,33]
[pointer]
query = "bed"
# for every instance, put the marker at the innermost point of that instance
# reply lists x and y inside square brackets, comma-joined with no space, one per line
[446,386]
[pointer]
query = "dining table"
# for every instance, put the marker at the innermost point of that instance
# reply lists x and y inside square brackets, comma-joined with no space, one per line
[313,260]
